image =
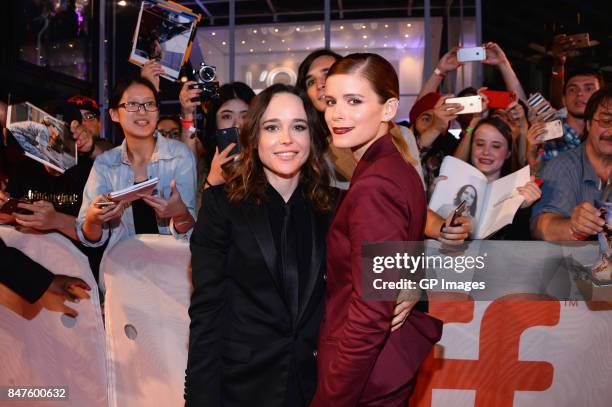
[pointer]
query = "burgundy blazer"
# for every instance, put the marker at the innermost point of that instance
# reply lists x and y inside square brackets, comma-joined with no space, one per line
[359,361]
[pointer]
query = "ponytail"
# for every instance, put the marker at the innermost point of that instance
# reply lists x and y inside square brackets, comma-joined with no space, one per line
[400,143]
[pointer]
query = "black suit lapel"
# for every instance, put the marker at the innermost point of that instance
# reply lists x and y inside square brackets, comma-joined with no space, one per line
[318,224]
[257,217]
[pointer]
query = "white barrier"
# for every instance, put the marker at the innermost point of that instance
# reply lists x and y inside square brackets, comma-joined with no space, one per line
[42,347]
[148,287]
[522,353]
[518,353]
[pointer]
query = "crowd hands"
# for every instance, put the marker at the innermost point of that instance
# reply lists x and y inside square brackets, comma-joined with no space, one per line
[521,137]
[562,208]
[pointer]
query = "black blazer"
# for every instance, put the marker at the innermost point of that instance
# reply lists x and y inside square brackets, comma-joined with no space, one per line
[242,346]
[22,274]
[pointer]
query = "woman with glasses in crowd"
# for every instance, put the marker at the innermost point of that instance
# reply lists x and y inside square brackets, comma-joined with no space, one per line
[169,127]
[134,105]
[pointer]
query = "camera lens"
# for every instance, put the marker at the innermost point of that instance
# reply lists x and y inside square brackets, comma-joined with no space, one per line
[207,73]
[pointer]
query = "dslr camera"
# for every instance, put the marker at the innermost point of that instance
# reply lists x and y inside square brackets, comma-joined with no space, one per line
[204,76]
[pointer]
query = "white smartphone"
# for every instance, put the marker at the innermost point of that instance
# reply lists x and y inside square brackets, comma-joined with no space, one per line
[471,104]
[554,130]
[471,54]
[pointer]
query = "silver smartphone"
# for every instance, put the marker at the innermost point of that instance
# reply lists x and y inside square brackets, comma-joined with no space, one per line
[471,54]
[471,104]
[554,129]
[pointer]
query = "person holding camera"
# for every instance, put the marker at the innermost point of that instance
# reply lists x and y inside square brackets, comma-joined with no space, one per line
[227,110]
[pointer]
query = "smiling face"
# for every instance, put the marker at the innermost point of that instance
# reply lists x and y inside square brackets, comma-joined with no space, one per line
[284,137]
[231,114]
[489,151]
[354,114]
[315,80]
[139,124]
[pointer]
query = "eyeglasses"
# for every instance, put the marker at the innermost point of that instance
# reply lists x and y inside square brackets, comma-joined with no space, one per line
[135,106]
[605,123]
[172,133]
[88,116]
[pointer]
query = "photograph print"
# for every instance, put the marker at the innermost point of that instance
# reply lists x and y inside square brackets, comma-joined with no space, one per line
[163,33]
[41,136]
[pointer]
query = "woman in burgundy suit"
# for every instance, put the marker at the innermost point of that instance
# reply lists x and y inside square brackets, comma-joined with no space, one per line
[360,361]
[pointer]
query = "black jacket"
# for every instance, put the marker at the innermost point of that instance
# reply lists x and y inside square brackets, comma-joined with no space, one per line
[23,275]
[242,346]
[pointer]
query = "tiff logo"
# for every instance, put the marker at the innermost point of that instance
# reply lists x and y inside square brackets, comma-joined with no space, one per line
[498,373]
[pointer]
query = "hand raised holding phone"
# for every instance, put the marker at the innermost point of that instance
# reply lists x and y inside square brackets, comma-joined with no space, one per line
[444,112]
[495,55]
[449,61]
[471,54]
[216,175]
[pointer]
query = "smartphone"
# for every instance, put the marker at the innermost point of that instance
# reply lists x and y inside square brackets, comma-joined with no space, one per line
[554,130]
[458,212]
[543,109]
[471,104]
[224,137]
[471,54]
[535,99]
[103,204]
[580,40]
[499,99]
[10,207]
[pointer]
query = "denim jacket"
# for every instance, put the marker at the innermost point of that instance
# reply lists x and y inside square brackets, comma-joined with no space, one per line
[112,171]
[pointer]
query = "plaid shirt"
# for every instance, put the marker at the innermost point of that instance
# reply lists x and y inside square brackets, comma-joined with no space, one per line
[570,140]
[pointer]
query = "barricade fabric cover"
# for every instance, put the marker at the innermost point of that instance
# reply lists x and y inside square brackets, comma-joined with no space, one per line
[148,287]
[505,352]
[40,346]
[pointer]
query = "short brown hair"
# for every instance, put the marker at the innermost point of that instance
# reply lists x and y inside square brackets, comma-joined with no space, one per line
[602,97]
[584,72]
[247,179]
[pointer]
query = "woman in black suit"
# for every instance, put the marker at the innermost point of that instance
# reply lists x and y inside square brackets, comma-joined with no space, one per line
[257,262]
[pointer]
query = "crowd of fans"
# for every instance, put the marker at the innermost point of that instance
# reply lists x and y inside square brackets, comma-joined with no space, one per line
[571,170]
[567,174]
